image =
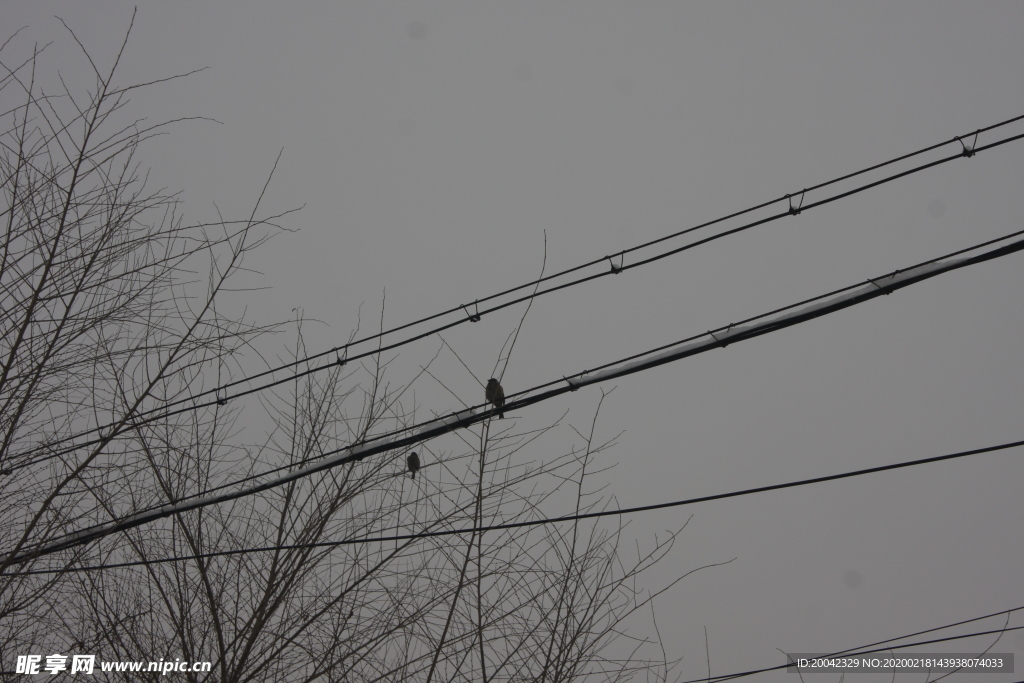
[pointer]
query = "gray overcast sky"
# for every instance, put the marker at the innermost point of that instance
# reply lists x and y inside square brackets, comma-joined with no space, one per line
[433,145]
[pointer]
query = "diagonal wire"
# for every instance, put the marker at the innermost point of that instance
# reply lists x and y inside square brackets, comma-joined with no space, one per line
[341,355]
[804,311]
[536,522]
[856,652]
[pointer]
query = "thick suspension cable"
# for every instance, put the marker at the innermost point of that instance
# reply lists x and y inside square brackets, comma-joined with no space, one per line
[472,312]
[530,523]
[755,327]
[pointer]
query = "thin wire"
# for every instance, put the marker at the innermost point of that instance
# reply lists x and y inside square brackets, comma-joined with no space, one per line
[856,652]
[932,630]
[162,412]
[536,522]
[510,399]
[726,328]
[463,419]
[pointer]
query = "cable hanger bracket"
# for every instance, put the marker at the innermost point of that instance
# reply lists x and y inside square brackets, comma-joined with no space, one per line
[795,210]
[885,291]
[969,151]
[720,342]
[622,262]
[339,359]
[572,387]
[220,401]
[473,318]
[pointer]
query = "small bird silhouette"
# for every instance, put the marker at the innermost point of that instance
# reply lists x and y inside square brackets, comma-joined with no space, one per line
[496,395]
[414,463]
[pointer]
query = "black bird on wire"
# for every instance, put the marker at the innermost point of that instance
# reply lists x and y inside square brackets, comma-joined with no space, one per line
[414,463]
[496,395]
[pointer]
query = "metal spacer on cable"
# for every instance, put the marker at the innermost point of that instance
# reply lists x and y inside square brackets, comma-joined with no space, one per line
[795,210]
[473,318]
[622,262]
[720,342]
[885,291]
[969,151]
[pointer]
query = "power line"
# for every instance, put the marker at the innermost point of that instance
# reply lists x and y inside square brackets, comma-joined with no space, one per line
[856,652]
[221,396]
[931,630]
[718,339]
[530,523]
[752,327]
[718,336]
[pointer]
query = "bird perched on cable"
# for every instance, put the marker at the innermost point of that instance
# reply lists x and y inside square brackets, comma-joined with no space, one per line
[496,395]
[414,463]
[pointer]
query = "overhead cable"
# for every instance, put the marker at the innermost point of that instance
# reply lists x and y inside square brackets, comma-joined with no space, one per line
[518,525]
[858,653]
[471,312]
[753,327]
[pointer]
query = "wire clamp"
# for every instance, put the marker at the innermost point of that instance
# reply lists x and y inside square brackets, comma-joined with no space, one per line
[339,359]
[572,387]
[795,210]
[720,342]
[885,291]
[220,401]
[622,262]
[473,318]
[969,151]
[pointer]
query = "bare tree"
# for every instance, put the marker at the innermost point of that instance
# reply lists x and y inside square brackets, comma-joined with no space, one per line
[105,319]
[283,603]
